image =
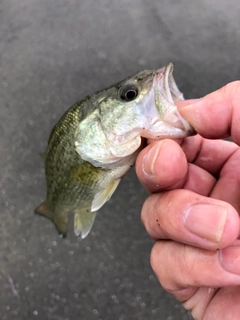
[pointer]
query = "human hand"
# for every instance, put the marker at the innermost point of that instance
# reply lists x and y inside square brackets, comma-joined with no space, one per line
[193,211]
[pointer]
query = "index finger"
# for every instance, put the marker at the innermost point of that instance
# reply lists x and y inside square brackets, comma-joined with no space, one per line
[217,115]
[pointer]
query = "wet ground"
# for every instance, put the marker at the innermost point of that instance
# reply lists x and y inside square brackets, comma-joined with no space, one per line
[53,53]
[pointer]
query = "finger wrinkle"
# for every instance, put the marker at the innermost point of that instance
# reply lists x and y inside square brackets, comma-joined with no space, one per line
[232,154]
[191,146]
[198,151]
[199,180]
[151,218]
[183,295]
[235,130]
[198,303]
[214,154]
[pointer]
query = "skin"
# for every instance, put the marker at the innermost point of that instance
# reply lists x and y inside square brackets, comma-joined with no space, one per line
[193,209]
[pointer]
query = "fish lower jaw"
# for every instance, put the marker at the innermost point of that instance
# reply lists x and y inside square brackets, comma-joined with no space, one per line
[166,131]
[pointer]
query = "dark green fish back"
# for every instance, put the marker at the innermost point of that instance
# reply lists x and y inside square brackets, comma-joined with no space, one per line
[66,172]
[61,156]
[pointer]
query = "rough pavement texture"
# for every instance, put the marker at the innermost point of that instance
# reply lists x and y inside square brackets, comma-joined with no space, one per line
[53,53]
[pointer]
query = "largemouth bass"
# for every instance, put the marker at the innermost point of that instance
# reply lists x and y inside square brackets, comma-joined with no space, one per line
[97,140]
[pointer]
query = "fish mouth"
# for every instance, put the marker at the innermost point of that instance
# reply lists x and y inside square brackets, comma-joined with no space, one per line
[166,119]
[165,83]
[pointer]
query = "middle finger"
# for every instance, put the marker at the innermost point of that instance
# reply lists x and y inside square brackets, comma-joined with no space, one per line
[190,218]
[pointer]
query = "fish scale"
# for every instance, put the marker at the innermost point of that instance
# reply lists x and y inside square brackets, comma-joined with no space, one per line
[96,142]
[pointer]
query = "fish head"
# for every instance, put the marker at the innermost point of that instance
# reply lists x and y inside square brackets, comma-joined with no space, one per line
[145,104]
[142,106]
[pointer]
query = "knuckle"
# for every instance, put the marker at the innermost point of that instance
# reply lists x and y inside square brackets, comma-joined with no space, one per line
[232,92]
[154,257]
[169,261]
[232,88]
[167,217]
[143,212]
[161,266]
[150,210]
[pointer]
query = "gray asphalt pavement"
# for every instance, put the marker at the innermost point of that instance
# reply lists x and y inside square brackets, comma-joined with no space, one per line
[53,53]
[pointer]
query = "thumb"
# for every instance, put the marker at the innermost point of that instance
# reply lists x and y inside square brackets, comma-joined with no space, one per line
[217,115]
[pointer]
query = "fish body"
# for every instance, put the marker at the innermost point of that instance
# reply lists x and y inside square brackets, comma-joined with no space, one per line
[97,140]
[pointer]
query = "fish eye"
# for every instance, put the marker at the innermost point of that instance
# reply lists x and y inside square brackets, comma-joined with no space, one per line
[129,93]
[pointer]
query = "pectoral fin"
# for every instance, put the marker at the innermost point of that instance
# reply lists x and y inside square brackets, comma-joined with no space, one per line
[83,221]
[104,195]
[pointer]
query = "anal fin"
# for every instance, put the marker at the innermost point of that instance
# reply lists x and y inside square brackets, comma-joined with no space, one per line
[104,195]
[83,221]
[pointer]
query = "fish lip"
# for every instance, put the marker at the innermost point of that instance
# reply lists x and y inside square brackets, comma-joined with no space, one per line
[166,94]
[164,81]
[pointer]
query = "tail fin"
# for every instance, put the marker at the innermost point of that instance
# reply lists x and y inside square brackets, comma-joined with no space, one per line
[44,210]
[60,221]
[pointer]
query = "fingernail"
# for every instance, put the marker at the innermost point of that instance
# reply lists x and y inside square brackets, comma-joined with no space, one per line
[150,158]
[206,221]
[230,258]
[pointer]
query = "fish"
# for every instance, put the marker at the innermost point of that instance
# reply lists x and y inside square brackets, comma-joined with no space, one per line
[96,142]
